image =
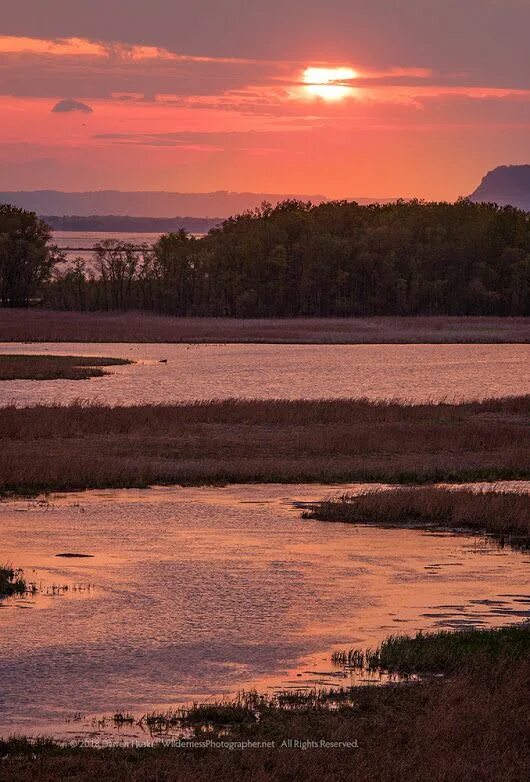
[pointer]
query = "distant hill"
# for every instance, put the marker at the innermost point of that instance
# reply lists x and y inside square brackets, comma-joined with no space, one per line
[505,185]
[215,205]
[104,223]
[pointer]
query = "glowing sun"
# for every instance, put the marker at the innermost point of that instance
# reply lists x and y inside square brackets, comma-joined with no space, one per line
[328,83]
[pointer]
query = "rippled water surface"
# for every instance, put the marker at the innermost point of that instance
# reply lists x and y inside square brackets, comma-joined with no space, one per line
[413,372]
[197,592]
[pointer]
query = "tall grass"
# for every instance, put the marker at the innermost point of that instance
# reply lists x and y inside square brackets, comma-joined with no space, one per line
[27,367]
[50,326]
[506,515]
[91,446]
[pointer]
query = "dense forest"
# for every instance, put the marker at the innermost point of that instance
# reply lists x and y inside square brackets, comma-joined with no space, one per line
[295,259]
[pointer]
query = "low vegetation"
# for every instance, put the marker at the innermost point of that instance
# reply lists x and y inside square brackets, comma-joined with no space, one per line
[470,723]
[443,651]
[47,448]
[43,325]
[11,582]
[28,367]
[505,515]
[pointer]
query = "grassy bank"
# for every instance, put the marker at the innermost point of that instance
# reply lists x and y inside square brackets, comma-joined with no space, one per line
[20,367]
[470,724]
[51,326]
[11,582]
[444,652]
[80,446]
[506,515]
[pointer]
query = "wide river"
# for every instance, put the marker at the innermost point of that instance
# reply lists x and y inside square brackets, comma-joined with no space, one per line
[417,373]
[191,593]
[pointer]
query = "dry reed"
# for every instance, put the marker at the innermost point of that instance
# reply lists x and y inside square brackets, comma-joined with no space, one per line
[51,326]
[506,515]
[81,446]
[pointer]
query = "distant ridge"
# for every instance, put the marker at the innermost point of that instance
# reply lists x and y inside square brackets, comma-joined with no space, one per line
[506,186]
[215,205]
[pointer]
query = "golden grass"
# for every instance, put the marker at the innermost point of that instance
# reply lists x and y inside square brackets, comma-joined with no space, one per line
[51,326]
[47,448]
[27,367]
[506,515]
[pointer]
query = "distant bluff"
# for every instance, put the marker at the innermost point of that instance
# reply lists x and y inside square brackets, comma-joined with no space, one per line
[505,185]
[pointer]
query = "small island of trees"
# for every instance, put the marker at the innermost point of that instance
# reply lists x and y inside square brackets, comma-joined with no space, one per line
[292,260]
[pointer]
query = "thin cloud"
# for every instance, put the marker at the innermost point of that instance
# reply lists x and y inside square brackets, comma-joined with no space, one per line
[65,47]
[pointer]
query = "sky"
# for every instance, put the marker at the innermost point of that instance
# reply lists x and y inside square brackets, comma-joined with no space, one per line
[349,98]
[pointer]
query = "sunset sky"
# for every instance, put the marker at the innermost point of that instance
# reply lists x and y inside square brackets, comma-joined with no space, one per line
[373,98]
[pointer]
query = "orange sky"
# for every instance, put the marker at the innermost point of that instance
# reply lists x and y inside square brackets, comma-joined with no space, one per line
[136,108]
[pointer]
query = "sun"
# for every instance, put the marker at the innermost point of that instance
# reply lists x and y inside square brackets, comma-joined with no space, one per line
[328,83]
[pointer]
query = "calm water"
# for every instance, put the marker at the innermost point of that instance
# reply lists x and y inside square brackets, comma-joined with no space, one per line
[414,372]
[196,592]
[78,242]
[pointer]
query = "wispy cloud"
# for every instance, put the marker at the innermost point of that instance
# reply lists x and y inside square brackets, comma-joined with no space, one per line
[42,67]
[65,47]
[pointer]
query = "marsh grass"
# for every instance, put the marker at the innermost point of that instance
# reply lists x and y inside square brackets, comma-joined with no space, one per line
[470,724]
[52,326]
[442,652]
[80,446]
[123,718]
[11,581]
[33,367]
[221,713]
[502,514]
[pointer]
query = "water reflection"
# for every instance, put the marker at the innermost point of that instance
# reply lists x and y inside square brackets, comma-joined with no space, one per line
[415,372]
[193,592]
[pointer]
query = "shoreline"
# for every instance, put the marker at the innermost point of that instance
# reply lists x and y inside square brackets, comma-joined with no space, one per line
[460,721]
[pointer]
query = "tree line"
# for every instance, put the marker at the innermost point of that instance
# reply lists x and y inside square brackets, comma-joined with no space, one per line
[296,259]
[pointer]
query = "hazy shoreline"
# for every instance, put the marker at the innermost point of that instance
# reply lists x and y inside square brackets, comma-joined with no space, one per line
[35,325]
